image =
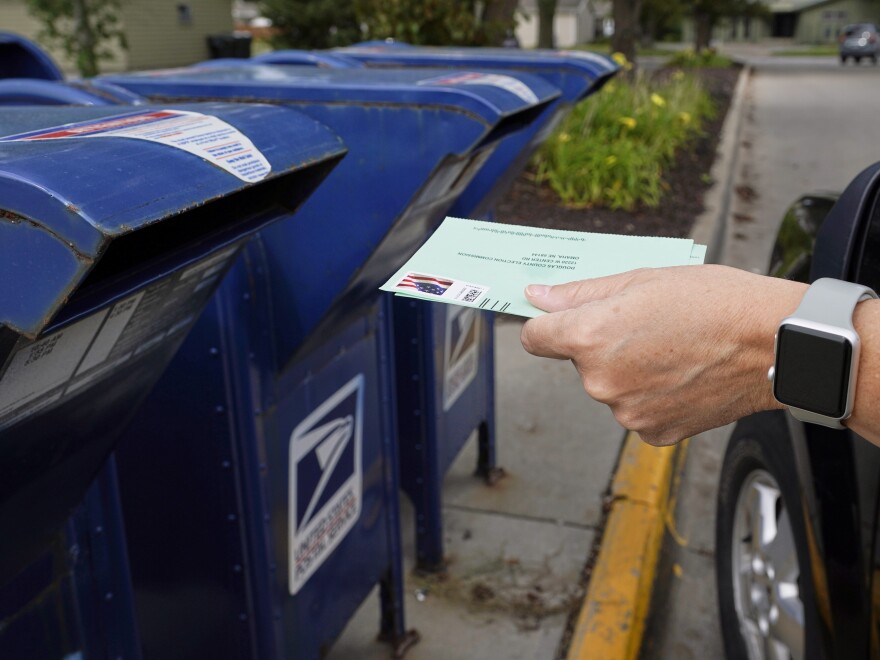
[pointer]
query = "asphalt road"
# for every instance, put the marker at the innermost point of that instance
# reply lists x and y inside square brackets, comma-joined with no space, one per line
[809,124]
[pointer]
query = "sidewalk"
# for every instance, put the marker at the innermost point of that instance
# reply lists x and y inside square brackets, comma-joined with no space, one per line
[517,550]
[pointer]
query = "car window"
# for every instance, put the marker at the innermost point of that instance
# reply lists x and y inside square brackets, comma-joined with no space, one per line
[869,266]
[852,30]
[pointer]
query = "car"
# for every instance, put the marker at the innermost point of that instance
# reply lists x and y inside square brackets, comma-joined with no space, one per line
[857,41]
[798,508]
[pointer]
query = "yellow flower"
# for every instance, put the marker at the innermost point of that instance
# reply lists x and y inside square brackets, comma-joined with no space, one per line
[678,75]
[685,117]
[564,137]
[610,160]
[620,58]
[629,122]
[658,100]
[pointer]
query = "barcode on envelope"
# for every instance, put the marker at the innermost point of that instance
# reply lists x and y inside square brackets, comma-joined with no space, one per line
[470,295]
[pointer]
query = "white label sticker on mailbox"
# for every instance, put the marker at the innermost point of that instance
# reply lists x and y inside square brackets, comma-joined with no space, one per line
[460,352]
[508,83]
[203,135]
[58,366]
[325,482]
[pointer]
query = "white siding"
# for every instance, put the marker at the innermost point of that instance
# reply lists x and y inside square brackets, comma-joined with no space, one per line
[158,38]
[571,26]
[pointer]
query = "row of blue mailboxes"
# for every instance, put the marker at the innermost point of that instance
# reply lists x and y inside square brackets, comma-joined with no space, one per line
[206,407]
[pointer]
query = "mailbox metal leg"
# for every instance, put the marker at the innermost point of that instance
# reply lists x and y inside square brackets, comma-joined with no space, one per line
[428,504]
[487,457]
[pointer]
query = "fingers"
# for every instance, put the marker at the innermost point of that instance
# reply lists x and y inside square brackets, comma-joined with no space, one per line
[549,336]
[574,294]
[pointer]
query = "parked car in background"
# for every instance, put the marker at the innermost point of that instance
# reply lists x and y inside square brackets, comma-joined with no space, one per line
[859,40]
[798,510]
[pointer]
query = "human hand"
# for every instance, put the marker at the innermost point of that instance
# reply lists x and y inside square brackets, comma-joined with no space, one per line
[672,351]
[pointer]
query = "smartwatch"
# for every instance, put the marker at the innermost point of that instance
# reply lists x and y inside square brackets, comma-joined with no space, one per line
[817,354]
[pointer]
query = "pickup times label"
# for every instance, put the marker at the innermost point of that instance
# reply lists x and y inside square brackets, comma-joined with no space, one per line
[460,352]
[325,482]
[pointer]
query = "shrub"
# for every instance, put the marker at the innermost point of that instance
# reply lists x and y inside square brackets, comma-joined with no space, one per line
[612,149]
[707,58]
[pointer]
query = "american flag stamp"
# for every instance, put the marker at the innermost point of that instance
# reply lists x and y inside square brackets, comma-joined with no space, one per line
[443,287]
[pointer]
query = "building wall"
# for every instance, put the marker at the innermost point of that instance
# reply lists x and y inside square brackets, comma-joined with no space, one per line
[569,28]
[159,36]
[822,24]
[14,17]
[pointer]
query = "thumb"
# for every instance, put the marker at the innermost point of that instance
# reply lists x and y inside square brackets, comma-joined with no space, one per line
[574,294]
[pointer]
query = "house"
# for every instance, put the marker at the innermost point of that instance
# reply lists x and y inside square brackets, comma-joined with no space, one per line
[160,33]
[803,21]
[575,22]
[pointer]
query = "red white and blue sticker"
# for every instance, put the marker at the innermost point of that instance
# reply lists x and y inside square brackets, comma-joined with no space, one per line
[203,135]
[325,480]
[507,83]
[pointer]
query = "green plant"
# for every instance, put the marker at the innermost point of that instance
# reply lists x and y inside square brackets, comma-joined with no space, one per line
[433,22]
[612,149]
[706,58]
[81,28]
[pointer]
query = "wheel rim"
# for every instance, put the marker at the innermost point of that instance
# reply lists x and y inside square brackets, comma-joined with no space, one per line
[765,572]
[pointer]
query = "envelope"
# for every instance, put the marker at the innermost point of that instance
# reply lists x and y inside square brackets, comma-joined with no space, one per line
[487,265]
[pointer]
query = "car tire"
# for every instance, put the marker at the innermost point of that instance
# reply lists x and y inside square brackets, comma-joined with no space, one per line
[857,59]
[843,59]
[768,610]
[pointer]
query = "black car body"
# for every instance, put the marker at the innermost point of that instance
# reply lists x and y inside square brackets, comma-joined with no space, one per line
[828,481]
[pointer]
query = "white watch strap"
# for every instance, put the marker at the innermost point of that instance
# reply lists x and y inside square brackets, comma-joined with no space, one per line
[832,301]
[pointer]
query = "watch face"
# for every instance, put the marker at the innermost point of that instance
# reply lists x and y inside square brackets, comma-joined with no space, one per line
[812,370]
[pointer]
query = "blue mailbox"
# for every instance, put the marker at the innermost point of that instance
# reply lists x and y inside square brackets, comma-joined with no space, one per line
[291,435]
[456,392]
[106,261]
[22,58]
[576,73]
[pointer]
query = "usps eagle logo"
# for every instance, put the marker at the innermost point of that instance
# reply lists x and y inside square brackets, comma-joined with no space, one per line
[430,284]
[325,480]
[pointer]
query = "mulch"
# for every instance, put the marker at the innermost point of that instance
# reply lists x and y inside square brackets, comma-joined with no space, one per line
[528,203]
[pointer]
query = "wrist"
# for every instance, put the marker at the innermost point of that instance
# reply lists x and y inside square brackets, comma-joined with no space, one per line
[778,299]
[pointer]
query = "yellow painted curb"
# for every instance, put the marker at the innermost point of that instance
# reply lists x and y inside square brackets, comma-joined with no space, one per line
[612,619]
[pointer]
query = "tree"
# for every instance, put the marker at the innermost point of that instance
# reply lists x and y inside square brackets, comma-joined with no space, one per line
[546,15]
[626,14]
[82,29]
[660,19]
[312,23]
[499,17]
[430,22]
[707,13]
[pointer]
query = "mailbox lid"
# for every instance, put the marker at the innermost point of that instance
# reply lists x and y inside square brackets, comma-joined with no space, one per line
[487,97]
[22,58]
[577,73]
[69,193]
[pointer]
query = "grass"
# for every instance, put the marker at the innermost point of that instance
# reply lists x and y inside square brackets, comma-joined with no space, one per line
[809,51]
[604,48]
[612,150]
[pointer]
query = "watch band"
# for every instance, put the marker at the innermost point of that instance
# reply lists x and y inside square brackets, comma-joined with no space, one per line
[831,302]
